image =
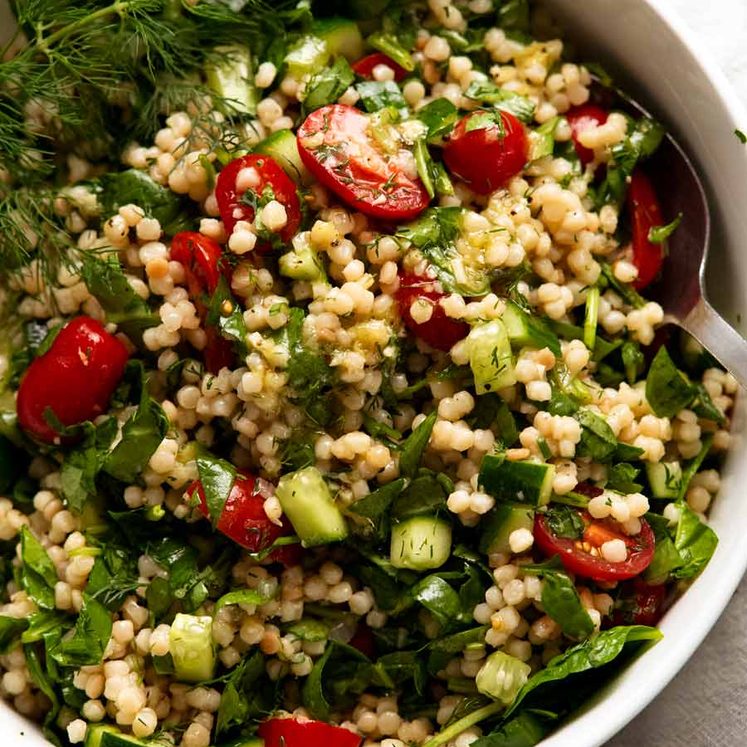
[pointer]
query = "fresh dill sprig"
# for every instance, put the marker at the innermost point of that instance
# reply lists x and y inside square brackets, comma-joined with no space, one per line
[85,77]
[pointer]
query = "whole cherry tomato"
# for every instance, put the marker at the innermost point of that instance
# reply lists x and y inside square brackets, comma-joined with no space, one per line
[271,181]
[336,145]
[364,67]
[244,520]
[645,214]
[440,331]
[640,604]
[582,118]
[74,379]
[577,560]
[485,149]
[295,732]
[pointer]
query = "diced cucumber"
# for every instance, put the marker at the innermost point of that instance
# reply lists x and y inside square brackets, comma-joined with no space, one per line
[502,676]
[420,543]
[521,482]
[343,37]
[500,522]
[115,738]
[95,734]
[232,78]
[282,146]
[490,357]
[191,647]
[310,508]
[527,331]
[302,262]
[307,56]
[664,478]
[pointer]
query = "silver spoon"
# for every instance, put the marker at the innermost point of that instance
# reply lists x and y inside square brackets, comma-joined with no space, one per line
[681,291]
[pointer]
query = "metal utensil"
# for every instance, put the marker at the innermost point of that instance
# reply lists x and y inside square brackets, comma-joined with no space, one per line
[681,290]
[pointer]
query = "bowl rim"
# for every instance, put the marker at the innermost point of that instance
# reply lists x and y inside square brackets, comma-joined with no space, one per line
[609,713]
[600,720]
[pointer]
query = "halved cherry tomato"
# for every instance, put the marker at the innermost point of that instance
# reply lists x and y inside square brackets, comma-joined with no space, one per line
[440,331]
[645,214]
[486,153]
[204,264]
[582,118]
[74,379]
[364,67]
[243,518]
[640,604]
[234,207]
[336,145]
[295,732]
[577,560]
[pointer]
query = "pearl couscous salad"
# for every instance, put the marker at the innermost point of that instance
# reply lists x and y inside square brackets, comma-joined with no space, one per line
[333,412]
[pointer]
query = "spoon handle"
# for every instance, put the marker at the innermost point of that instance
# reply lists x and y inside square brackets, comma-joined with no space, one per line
[719,338]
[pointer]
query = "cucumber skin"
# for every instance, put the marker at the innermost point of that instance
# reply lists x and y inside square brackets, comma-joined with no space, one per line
[656,472]
[500,522]
[310,508]
[526,331]
[490,357]
[430,535]
[283,148]
[343,37]
[519,482]
[116,738]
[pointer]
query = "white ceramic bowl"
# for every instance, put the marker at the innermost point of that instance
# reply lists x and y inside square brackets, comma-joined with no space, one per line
[654,56]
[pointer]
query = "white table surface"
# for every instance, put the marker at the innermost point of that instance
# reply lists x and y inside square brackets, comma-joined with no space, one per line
[706,704]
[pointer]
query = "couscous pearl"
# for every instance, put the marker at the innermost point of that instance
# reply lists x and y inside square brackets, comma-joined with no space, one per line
[614,551]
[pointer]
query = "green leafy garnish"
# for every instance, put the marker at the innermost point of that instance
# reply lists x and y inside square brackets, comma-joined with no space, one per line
[216,477]
[326,86]
[659,234]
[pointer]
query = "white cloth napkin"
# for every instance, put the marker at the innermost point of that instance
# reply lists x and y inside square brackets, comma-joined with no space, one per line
[706,704]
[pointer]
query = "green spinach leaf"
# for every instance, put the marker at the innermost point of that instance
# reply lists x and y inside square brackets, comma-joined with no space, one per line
[86,646]
[38,574]
[414,446]
[694,541]
[106,281]
[668,390]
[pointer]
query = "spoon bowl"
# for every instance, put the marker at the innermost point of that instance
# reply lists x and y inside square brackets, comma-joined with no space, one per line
[681,289]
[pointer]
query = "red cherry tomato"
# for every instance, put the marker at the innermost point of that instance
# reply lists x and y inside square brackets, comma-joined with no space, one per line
[583,563]
[484,153]
[293,732]
[243,518]
[582,118]
[363,639]
[234,207]
[364,67]
[204,264]
[640,604]
[338,149]
[645,214]
[218,352]
[440,331]
[75,378]
[203,261]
